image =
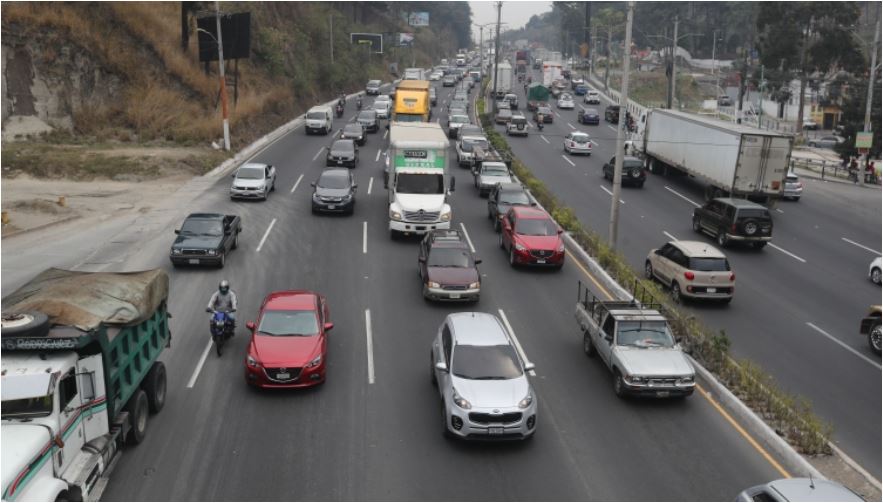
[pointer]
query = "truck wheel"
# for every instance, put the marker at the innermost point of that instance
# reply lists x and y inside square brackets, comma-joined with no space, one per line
[24,324]
[722,239]
[750,227]
[137,408]
[235,244]
[588,347]
[874,338]
[618,384]
[155,387]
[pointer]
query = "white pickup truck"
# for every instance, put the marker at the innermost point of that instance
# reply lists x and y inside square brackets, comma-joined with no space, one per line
[635,342]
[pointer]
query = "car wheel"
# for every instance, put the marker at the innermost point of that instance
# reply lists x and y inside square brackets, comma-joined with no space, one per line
[432,370]
[722,239]
[503,246]
[875,275]
[512,256]
[273,186]
[222,260]
[874,338]
[676,292]
[750,227]
[588,347]
[497,225]
[235,244]
[618,384]
[444,414]
[648,270]
[697,227]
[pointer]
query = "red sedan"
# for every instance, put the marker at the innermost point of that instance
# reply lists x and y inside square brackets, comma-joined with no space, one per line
[289,341]
[531,237]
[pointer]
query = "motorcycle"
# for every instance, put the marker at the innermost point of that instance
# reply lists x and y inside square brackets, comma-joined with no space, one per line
[339,110]
[540,122]
[359,104]
[222,327]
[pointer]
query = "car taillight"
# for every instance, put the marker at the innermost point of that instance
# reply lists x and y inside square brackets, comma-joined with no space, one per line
[800,184]
[733,228]
[572,144]
[732,276]
[689,275]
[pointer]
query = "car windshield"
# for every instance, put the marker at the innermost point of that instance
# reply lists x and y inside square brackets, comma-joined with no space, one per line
[250,173]
[449,257]
[535,227]
[754,213]
[709,264]
[380,105]
[289,323]
[494,170]
[353,129]
[199,227]
[316,115]
[459,119]
[342,146]
[373,82]
[626,164]
[644,334]
[367,115]
[409,183]
[333,180]
[469,144]
[381,99]
[27,407]
[580,138]
[514,198]
[544,111]
[485,362]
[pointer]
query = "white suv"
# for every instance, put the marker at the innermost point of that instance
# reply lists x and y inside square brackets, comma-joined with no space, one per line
[481,380]
[318,119]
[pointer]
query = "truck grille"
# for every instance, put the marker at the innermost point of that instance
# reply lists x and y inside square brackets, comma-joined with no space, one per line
[192,251]
[484,418]
[421,216]
[541,253]
[273,373]
[662,381]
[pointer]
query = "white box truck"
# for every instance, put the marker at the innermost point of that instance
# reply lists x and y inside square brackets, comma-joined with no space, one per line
[504,79]
[551,72]
[417,179]
[732,159]
[413,74]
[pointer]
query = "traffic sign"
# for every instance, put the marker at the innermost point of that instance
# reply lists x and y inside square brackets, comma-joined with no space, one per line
[864,140]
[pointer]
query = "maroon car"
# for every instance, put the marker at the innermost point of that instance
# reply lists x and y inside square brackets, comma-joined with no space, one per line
[531,237]
[289,341]
[448,268]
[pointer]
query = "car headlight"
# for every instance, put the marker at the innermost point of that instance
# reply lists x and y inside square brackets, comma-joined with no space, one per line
[636,379]
[475,285]
[395,215]
[251,361]
[315,362]
[561,248]
[520,247]
[686,380]
[176,251]
[432,284]
[212,252]
[461,402]
[526,401]
[446,216]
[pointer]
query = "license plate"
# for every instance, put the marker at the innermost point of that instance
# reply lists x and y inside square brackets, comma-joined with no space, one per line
[495,431]
[662,394]
[712,290]
[332,206]
[455,295]
[283,375]
[421,227]
[541,261]
[193,261]
[339,162]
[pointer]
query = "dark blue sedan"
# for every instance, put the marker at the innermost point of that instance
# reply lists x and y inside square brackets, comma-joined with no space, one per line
[588,116]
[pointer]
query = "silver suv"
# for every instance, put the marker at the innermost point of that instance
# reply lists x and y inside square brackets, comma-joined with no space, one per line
[481,380]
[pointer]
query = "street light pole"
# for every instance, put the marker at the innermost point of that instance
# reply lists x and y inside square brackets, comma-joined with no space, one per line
[674,66]
[714,63]
[497,53]
[620,133]
[223,79]
[872,79]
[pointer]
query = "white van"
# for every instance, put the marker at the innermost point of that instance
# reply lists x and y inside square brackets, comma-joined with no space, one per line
[318,119]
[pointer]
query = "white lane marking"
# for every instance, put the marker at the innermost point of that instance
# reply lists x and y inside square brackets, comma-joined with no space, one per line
[611,127]
[199,365]
[267,233]
[544,138]
[385,133]
[670,236]
[844,345]
[685,198]
[556,113]
[531,124]
[466,233]
[571,125]
[593,143]
[370,184]
[605,189]
[301,177]
[370,344]
[861,246]
[786,252]
[364,237]
[780,211]
[568,160]
[377,157]
[515,339]
[318,153]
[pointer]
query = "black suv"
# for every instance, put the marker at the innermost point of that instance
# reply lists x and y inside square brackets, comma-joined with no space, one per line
[728,219]
[611,114]
[342,153]
[502,197]
[354,131]
[632,171]
[448,268]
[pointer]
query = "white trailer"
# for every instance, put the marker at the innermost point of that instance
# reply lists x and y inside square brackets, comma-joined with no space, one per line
[504,79]
[732,159]
[551,72]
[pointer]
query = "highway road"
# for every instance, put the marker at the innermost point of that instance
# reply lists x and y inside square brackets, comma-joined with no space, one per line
[798,302]
[377,436]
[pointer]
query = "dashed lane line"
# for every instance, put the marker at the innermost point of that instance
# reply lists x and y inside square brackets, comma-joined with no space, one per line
[266,233]
[294,187]
[515,339]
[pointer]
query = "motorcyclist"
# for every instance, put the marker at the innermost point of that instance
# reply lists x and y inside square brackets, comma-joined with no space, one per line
[359,103]
[540,121]
[342,100]
[224,300]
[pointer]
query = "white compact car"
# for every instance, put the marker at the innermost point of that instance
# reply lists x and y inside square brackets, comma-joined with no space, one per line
[874,271]
[565,101]
[577,142]
[253,181]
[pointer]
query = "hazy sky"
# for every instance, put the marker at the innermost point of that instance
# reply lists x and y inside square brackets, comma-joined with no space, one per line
[515,13]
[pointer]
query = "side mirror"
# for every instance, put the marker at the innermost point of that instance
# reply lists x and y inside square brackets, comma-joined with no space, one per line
[312,184]
[355,186]
[328,325]
[529,366]
[560,231]
[477,261]
[657,251]
[533,203]
[177,231]
[251,326]
[441,366]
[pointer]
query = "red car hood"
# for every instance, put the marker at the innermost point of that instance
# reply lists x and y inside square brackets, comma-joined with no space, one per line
[540,242]
[285,351]
[452,275]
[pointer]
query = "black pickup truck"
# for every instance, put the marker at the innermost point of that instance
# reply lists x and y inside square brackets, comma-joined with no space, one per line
[205,239]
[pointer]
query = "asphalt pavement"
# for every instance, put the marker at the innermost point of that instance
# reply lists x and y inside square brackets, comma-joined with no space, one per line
[797,303]
[367,435]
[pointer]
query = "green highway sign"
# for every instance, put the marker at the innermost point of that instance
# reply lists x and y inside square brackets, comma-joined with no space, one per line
[864,140]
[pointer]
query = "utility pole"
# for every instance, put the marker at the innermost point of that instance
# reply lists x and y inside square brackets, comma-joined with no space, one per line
[607,66]
[872,80]
[497,53]
[743,77]
[223,79]
[620,130]
[806,34]
[762,88]
[714,63]
[331,35]
[672,83]
[587,35]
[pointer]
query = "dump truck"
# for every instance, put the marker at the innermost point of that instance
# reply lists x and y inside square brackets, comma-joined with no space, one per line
[537,95]
[731,159]
[80,375]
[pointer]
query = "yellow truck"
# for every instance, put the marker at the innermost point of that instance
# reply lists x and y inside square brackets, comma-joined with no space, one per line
[412,102]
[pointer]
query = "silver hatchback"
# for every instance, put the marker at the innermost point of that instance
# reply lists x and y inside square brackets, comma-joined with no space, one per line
[481,380]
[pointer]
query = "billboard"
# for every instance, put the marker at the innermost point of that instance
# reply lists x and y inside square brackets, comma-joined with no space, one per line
[373,39]
[406,39]
[235,34]
[418,19]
